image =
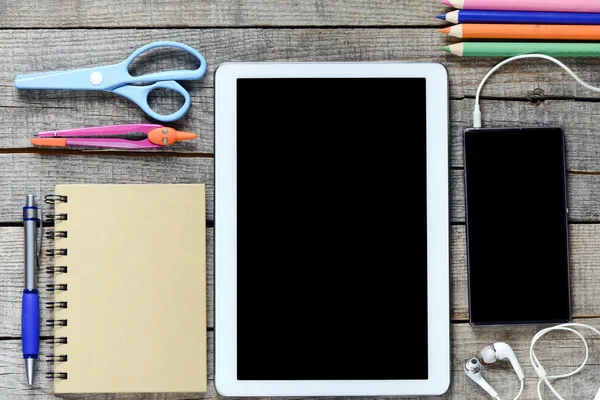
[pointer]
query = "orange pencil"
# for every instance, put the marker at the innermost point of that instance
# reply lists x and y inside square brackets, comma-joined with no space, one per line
[523,31]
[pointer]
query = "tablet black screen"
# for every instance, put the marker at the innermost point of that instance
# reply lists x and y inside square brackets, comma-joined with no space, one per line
[332,241]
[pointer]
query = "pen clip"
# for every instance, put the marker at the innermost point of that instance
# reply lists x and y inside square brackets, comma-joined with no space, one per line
[39,246]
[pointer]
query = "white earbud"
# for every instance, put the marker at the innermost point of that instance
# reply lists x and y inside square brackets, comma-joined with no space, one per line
[502,351]
[473,370]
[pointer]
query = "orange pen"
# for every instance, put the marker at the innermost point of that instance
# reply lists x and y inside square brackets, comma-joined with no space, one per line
[523,31]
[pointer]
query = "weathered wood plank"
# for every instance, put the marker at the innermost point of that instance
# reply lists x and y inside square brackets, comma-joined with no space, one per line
[34,174]
[582,195]
[191,13]
[31,174]
[579,120]
[33,112]
[27,112]
[584,262]
[28,51]
[559,352]
[13,384]
[11,248]
[585,273]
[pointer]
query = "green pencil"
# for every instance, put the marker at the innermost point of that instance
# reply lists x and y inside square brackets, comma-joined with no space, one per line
[511,49]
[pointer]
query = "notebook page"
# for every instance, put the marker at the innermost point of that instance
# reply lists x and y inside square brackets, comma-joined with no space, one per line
[136,294]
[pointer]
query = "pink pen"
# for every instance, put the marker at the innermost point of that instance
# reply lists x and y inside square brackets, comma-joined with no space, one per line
[527,5]
[157,136]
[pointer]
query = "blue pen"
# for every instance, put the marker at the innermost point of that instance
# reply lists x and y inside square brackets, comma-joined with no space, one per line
[520,17]
[30,313]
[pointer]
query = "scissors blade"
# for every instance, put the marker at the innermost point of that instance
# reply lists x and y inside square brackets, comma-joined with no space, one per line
[95,78]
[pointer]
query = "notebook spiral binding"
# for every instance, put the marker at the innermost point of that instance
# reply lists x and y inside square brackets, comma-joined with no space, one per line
[56,252]
[56,358]
[56,269]
[53,287]
[55,217]
[56,287]
[56,375]
[56,322]
[50,235]
[54,198]
[56,304]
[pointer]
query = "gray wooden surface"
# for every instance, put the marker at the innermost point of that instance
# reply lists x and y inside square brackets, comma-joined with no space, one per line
[57,34]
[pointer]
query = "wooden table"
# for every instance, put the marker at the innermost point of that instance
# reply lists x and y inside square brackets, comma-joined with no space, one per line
[55,34]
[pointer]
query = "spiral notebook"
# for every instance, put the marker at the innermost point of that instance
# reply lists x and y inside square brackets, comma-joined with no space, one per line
[130,288]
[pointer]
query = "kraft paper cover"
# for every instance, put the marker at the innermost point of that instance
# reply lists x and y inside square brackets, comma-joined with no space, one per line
[136,288]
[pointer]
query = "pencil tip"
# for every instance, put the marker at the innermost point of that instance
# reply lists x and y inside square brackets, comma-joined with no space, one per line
[446,49]
[447,3]
[444,30]
[441,16]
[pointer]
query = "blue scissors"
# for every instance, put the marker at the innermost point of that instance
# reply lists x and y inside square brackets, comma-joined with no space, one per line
[117,79]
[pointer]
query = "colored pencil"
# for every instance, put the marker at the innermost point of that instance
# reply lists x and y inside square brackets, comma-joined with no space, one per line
[526,5]
[523,31]
[519,17]
[510,49]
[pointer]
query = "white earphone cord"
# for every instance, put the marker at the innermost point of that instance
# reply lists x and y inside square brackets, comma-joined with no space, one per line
[541,372]
[518,395]
[477,110]
[520,390]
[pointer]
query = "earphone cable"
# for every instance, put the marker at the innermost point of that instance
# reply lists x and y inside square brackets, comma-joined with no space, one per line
[541,372]
[477,110]
[518,395]
[520,391]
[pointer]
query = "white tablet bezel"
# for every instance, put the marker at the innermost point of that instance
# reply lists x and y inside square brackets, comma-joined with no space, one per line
[437,229]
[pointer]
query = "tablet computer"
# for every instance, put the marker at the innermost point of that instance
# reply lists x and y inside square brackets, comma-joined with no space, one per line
[331,229]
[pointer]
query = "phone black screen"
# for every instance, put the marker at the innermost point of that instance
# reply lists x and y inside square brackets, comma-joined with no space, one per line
[516,223]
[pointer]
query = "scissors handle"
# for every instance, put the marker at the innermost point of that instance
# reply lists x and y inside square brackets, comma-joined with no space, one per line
[139,95]
[117,79]
[167,75]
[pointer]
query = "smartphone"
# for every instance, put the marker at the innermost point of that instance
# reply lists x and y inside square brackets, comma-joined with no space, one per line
[516,226]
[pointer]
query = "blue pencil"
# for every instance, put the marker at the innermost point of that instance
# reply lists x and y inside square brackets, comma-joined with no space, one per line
[520,17]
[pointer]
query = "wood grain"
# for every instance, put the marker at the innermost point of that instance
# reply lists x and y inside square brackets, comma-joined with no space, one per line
[578,119]
[581,198]
[13,386]
[246,13]
[11,247]
[584,258]
[38,174]
[53,35]
[559,353]
[28,51]
[584,243]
